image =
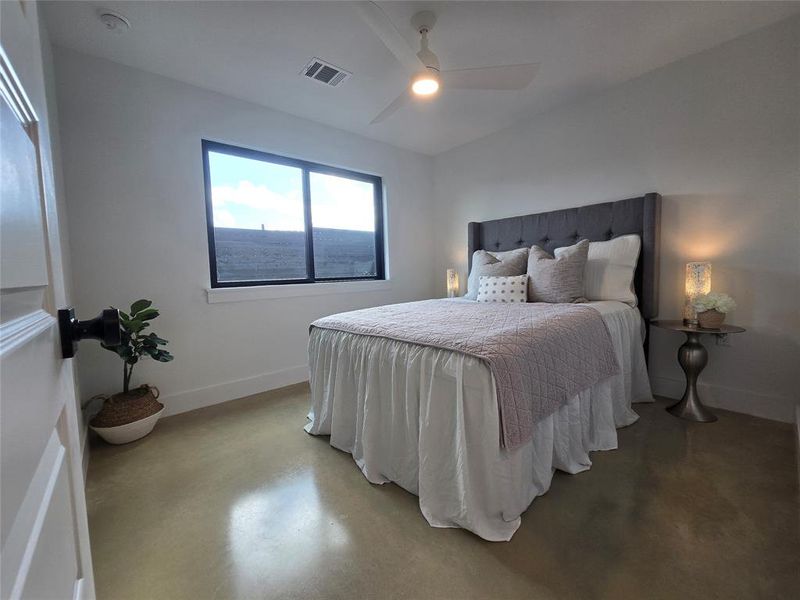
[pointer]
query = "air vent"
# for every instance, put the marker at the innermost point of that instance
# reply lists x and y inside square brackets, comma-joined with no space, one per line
[324,72]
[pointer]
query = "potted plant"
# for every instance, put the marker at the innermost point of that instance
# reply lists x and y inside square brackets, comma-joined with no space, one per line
[711,309]
[132,414]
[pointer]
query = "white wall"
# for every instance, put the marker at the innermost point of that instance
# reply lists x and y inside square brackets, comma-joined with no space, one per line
[134,187]
[717,134]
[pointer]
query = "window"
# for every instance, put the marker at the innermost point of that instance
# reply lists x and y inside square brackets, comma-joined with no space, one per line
[274,220]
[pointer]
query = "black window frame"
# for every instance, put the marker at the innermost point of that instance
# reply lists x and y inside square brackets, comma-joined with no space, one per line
[307,167]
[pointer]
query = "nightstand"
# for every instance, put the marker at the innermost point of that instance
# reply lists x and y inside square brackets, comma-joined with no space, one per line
[693,357]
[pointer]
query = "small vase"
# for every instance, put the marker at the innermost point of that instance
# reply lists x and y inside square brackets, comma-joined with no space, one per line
[711,319]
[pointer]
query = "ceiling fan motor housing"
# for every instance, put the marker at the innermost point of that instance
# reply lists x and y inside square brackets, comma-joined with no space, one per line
[423,21]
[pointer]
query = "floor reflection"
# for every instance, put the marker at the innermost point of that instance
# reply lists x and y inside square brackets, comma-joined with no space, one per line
[247,506]
[281,532]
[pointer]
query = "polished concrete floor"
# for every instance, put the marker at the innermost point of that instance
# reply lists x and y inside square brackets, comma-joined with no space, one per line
[236,501]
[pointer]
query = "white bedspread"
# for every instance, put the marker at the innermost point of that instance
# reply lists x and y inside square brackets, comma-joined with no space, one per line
[427,419]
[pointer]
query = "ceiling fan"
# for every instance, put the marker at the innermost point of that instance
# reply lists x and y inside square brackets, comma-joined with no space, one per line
[426,75]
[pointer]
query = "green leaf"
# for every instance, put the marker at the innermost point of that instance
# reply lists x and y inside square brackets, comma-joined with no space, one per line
[164,356]
[134,326]
[146,314]
[148,342]
[157,354]
[140,305]
[124,315]
[156,339]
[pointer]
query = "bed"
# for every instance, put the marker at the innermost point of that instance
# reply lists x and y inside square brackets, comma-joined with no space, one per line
[427,418]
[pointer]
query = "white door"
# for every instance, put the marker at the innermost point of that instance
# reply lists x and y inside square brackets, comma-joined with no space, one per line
[43,526]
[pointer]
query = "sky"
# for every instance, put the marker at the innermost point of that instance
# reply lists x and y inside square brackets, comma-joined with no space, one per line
[248,193]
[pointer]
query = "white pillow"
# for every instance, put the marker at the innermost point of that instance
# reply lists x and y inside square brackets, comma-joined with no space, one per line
[503,289]
[610,268]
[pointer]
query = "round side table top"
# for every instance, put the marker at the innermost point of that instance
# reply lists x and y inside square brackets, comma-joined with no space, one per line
[679,326]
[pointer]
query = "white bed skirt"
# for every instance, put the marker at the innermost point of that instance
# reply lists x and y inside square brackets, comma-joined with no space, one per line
[427,420]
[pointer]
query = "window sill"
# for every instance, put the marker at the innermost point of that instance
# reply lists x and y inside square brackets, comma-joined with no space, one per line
[294,290]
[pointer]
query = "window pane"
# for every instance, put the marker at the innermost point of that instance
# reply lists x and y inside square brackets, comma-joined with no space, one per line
[343,216]
[259,227]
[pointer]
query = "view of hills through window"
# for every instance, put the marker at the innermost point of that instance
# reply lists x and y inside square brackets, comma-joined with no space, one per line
[260,224]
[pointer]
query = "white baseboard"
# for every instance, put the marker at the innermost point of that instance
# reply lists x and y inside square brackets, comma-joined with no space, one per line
[231,390]
[776,408]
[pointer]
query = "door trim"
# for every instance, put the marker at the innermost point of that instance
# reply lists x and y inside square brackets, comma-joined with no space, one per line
[23,329]
[12,91]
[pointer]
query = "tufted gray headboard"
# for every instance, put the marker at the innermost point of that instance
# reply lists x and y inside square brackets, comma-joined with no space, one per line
[595,222]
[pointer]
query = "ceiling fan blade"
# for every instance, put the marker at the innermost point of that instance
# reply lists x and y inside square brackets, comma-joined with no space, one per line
[504,77]
[396,104]
[379,22]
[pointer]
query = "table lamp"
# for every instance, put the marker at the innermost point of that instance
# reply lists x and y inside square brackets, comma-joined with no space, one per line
[698,282]
[452,283]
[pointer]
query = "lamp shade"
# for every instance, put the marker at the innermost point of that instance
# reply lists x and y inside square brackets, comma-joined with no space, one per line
[698,278]
[452,283]
[698,282]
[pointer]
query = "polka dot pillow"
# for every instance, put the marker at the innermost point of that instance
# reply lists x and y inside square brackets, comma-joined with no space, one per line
[503,289]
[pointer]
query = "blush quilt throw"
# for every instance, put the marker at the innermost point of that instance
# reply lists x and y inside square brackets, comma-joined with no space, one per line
[540,354]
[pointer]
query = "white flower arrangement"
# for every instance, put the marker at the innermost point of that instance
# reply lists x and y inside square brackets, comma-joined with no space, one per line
[714,301]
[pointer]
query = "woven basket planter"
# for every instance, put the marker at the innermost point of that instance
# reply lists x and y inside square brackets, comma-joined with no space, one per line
[710,319]
[126,417]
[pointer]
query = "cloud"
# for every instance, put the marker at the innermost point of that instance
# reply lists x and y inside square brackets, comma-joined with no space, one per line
[336,203]
[222,218]
[250,206]
[340,203]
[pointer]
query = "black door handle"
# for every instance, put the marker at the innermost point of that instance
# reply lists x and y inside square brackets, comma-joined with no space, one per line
[104,327]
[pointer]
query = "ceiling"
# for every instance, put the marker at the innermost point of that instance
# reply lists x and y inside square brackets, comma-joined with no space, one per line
[255,51]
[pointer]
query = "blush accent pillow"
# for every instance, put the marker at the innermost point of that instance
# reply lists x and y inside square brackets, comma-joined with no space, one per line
[610,267]
[557,279]
[503,289]
[511,262]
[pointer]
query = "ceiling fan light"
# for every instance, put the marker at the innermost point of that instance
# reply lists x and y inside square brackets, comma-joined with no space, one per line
[425,84]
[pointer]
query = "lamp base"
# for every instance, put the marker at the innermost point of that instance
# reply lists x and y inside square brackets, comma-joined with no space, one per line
[689,313]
